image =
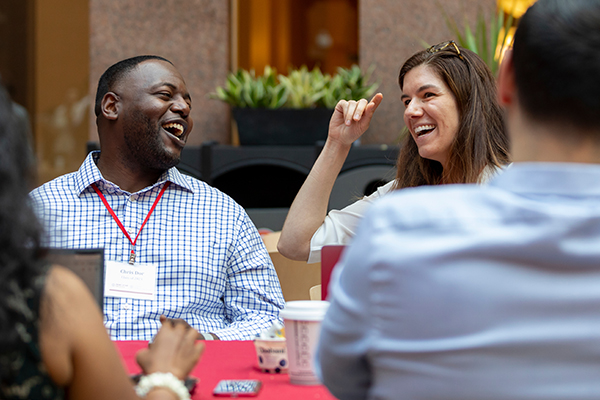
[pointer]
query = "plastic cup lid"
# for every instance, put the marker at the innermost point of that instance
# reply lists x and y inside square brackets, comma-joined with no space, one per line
[309,310]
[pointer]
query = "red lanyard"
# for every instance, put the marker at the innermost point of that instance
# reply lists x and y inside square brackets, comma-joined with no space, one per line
[110,210]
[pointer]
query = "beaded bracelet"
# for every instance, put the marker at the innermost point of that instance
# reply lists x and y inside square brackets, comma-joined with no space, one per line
[162,379]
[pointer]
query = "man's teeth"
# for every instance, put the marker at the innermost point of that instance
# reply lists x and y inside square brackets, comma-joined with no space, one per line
[424,129]
[174,128]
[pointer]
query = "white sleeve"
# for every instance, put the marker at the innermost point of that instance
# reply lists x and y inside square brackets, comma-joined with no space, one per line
[340,226]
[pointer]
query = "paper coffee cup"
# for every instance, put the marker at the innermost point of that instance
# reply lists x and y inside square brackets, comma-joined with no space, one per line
[302,320]
[271,355]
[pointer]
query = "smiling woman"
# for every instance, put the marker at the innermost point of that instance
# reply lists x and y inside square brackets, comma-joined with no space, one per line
[455,90]
[456,136]
[431,114]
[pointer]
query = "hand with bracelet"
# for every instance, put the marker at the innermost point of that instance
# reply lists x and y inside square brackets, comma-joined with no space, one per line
[168,361]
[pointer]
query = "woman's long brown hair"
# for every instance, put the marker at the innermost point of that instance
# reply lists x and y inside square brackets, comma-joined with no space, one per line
[481,139]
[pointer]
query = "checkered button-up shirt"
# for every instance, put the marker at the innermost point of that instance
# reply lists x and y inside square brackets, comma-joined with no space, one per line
[213,269]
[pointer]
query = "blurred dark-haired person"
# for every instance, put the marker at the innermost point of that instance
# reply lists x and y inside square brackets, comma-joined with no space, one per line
[193,251]
[53,344]
[488,292]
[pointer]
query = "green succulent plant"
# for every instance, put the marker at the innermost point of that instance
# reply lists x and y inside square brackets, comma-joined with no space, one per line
[305,88]
[301,88]
[349,84]
[244,89]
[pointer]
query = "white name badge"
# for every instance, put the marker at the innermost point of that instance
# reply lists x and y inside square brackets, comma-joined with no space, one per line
[132,281]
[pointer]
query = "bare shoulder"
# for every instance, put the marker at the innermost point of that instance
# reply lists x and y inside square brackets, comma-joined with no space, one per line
[65,306]
[75,346]
[67,303]
[67,299]
[63,284]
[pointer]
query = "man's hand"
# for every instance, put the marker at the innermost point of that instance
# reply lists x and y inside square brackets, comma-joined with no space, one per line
[174,321]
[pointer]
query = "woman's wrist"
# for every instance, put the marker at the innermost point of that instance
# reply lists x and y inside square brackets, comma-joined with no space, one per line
[337,146]
[154,393]
[164,380]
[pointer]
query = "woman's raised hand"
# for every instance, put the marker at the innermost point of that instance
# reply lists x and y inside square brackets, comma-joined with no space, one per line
[174,350]
[351,119]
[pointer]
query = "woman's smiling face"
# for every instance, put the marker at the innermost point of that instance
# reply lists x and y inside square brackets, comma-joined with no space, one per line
[431,113]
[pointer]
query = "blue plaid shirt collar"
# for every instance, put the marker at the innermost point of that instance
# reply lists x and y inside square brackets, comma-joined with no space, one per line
[89,173]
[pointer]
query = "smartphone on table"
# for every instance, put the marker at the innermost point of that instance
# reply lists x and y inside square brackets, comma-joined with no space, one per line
[237,388]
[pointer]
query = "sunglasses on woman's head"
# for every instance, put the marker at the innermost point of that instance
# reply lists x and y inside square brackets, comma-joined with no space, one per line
[449,45]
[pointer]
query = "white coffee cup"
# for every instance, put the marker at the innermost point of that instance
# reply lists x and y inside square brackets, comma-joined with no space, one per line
[302,320]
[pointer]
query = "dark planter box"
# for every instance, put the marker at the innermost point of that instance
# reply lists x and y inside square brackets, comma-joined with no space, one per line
[283,126]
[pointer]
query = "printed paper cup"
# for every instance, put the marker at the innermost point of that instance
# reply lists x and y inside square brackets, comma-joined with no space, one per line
[302,320]
[272,355]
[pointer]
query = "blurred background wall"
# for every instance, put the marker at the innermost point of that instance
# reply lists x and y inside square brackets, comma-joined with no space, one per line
[52,53]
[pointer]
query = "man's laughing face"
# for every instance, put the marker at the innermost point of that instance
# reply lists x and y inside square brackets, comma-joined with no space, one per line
[156,115]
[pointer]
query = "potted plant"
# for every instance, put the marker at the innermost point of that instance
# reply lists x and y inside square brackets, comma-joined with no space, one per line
[289,110]
[490,38]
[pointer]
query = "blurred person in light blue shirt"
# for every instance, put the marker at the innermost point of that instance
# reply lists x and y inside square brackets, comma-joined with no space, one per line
[488,292]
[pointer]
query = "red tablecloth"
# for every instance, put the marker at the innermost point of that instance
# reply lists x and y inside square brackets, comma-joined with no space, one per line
[232,360]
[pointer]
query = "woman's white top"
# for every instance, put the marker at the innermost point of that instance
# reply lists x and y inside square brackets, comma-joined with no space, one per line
[339,226]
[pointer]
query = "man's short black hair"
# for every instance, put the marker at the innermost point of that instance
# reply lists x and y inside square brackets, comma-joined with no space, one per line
[115,73]
[557,62]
